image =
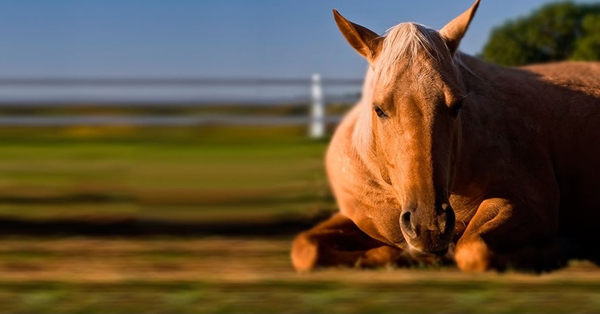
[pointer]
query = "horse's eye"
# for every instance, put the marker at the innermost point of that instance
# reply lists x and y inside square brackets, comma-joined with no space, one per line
[380,113]
[456,108]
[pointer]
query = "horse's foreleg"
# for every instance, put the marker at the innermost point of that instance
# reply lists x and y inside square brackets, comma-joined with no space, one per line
[339,242]
[502,236]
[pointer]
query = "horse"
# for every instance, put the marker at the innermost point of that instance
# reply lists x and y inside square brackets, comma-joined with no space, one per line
[447,159]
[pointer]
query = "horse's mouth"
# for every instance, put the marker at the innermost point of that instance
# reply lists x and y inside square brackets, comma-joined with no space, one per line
[432,246]
[441,252]
[406,246]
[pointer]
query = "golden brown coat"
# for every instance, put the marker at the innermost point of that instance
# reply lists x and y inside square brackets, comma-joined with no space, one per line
[449,159]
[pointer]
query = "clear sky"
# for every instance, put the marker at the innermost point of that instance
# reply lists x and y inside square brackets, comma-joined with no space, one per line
[213,38]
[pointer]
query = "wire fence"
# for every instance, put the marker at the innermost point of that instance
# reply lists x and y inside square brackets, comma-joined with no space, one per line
[314,89]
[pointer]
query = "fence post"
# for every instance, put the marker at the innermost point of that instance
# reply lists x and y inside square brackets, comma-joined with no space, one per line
[317,112]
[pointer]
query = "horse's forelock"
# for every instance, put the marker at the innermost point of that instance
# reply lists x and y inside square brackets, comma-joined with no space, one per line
[403,44]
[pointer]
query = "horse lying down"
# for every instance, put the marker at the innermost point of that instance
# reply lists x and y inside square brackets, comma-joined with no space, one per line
[448,159]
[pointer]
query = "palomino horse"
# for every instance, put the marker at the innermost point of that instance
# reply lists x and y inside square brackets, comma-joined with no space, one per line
[449,159]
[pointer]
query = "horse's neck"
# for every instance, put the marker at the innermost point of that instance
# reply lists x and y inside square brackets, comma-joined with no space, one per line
[481,117]
[362,136]
[476,73]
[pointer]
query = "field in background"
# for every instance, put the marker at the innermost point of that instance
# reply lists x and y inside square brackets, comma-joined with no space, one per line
[172,174]
[69,196]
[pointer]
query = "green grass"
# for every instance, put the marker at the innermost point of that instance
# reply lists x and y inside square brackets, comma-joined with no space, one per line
[142,172]
[237,275]
[213,174]
[284,297]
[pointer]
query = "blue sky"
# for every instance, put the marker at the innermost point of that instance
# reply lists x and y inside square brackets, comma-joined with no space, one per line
[214,38]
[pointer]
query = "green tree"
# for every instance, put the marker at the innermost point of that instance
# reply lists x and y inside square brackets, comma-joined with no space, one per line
[558,31]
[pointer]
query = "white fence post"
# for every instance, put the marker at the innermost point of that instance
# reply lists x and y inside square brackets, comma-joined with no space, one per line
[317,112]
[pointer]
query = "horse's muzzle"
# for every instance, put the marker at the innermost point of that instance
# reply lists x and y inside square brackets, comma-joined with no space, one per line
[426,230]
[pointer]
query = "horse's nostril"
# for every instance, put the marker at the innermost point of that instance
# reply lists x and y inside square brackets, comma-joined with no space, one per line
[443,209]
[406,225]
[450,220]
[442,224]
[406,218]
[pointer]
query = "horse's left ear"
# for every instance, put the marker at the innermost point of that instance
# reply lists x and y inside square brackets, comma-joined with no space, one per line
[454,31]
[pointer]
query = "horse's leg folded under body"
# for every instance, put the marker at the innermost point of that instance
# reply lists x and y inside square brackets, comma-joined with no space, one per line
[503,236]
[339,242]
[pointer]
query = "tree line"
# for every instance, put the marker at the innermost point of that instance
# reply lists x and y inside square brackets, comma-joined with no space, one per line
[554,32]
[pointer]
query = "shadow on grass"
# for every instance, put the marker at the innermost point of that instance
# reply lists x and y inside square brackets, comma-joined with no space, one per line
[132,227]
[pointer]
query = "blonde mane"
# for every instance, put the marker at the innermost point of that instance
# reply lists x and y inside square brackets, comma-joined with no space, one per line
[405,41]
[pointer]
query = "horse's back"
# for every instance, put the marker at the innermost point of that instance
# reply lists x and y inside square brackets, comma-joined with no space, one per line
[583,77]
[575,150]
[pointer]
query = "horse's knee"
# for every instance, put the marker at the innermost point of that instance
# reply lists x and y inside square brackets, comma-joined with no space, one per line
[473,256]
[305,252]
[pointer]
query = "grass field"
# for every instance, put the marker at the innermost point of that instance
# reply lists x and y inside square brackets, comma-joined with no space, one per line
[209,177]
[241,275]
[179,174]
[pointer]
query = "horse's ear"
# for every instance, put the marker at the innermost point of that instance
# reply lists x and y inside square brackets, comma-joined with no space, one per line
[454,31]
[364,40]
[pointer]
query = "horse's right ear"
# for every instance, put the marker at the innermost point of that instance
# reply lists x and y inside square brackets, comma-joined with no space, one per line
[365,41]
[454,31]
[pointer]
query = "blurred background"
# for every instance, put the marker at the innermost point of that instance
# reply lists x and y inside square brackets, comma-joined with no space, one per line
[159,156]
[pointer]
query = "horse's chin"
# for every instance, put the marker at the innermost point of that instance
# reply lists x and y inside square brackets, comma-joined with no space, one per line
[430,245]
[416,251]
[446,252]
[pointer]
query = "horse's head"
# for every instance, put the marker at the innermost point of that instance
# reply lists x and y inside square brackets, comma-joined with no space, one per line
[414,121]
